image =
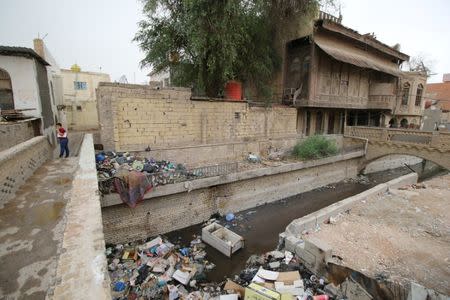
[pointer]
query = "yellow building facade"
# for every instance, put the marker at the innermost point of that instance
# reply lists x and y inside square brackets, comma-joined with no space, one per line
[79,108]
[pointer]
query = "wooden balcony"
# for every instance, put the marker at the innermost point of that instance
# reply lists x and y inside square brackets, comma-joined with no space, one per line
[385,102]
[381,102]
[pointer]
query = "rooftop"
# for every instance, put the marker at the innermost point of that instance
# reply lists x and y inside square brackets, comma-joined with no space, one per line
[23,52]
[366,39]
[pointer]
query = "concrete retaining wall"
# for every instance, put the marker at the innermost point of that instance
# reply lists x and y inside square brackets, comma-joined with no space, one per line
[202,155]
[19,162]
[176,206]
[82,266]
[316,253]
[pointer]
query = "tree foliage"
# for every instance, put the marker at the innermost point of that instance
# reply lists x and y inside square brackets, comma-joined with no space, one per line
[421,63]
[204,43]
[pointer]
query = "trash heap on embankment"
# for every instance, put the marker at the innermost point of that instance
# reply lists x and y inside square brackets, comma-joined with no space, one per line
[161,269]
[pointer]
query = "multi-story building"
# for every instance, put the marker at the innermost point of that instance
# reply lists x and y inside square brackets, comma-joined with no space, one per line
[79,107]
[336,76]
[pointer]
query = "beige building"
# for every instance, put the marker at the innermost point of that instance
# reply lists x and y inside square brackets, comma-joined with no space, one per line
[409,107]
[337,76]
[79,108]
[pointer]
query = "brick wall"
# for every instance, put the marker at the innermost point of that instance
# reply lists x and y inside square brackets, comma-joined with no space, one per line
[133,117]
[19,162]
[229,193]
[15,133]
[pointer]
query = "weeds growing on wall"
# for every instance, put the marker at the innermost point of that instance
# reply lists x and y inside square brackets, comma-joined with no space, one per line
[315,147]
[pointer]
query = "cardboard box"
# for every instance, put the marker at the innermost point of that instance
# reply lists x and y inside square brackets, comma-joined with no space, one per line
[257,292]
[233,286]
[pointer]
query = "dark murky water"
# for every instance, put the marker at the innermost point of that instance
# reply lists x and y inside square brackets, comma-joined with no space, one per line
[260,226]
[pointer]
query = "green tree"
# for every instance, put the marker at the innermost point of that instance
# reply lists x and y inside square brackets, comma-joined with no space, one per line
[205,43]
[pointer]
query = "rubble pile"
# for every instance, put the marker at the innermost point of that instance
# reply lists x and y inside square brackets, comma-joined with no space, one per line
[158,269]
[109,164]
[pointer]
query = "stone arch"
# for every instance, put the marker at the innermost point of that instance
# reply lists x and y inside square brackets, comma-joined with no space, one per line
[404,123]
[6,91]
[375,152]
[393,123]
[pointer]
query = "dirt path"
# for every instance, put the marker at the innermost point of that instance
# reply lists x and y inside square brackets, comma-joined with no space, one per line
[404,235]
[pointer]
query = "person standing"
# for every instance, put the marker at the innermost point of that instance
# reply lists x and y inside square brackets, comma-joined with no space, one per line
[63,140]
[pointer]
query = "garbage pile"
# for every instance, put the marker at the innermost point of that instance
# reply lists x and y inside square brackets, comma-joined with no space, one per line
[158,269]
[282,276]
[109,164]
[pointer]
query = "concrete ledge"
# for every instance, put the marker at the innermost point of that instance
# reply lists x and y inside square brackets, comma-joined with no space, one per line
[113,199]
[310,221]
[14,151]
[315,253]
[82,266]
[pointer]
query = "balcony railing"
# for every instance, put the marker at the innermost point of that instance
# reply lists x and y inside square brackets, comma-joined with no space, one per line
[326,16]
[381,101]
[439,140]
[332,101]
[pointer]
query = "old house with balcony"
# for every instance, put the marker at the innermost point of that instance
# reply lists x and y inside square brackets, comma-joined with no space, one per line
[337,76]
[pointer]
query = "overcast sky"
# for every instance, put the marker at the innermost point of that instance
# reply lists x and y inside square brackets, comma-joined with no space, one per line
[98,33]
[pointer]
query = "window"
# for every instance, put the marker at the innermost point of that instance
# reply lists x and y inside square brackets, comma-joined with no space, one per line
[80,85]
[405,94]
[79,108]
[6,93]
[419,94]
[306,63]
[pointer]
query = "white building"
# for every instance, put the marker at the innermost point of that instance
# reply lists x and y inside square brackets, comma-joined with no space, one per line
[24,84]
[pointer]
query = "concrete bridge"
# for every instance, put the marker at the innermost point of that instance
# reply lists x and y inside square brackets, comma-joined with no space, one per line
[429,145]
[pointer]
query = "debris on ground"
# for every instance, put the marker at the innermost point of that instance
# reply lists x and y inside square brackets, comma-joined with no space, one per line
[157,267]
[111,164]
[276,154]
[362,179]
[160,269]
[253,158]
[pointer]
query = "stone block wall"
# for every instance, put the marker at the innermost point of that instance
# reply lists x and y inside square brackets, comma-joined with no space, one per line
[133,117]
[179,208]
[13,133]
[19,162]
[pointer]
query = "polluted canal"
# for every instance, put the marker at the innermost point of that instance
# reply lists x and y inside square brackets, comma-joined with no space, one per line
[204,266]
[261,225]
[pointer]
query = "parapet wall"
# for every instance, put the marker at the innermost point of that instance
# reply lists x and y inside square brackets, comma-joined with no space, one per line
[19,162]
[82,267]
[14,133]
[133,117]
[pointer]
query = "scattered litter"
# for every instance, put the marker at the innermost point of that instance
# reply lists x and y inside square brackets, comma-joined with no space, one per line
[112,165]
[160,269]
[229,217]
[253,158]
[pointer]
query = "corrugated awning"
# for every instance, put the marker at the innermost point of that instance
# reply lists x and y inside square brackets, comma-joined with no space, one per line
[356,56]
